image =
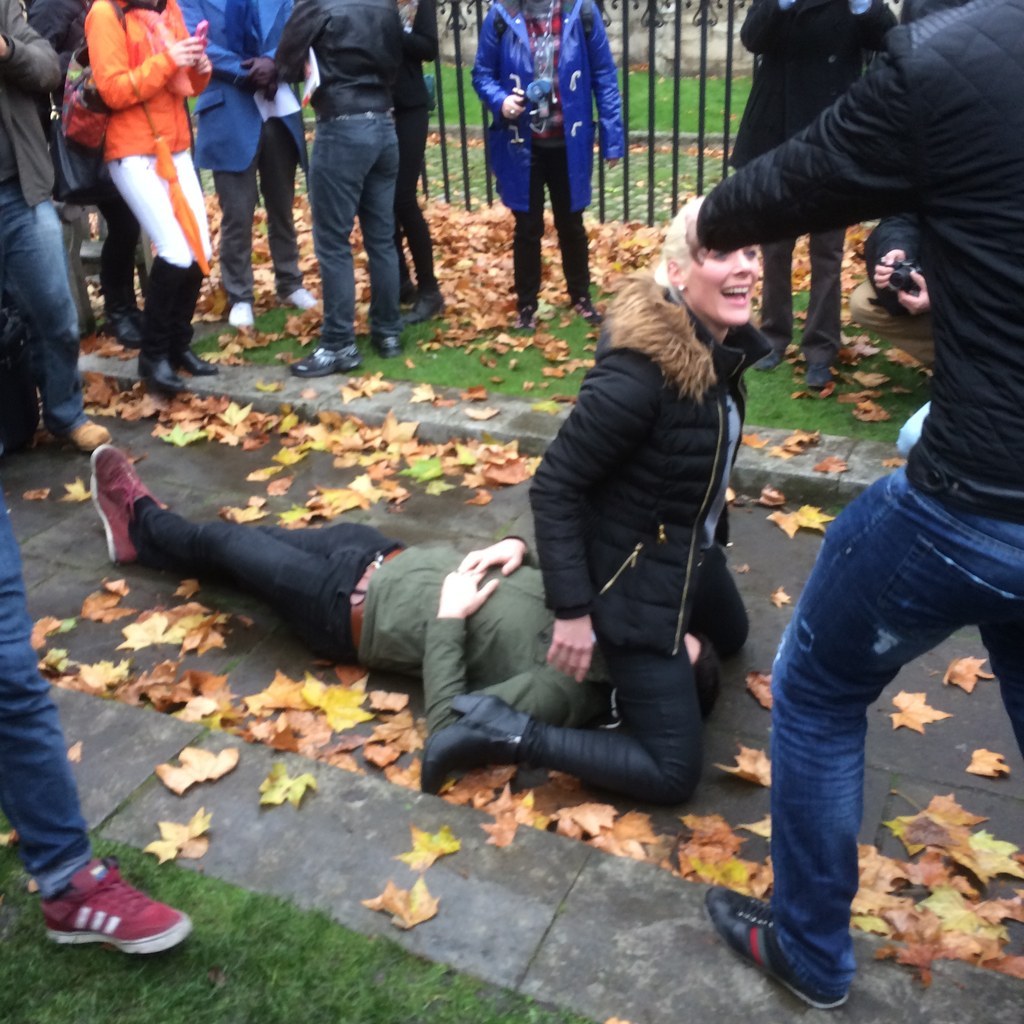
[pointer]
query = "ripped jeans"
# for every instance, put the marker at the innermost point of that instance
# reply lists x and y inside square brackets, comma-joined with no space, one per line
[897,574]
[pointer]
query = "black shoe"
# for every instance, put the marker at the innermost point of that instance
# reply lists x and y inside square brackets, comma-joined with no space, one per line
[818,376]
[746,926]
[769,362]
[490,732]
[160,376]
[126,326]
[387,347]
[322,362]
[707,675]
[428,306]
[407,293]
[585,308]
[526,318]
[191,363]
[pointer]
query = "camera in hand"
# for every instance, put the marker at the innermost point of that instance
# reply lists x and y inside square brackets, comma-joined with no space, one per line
[900,279]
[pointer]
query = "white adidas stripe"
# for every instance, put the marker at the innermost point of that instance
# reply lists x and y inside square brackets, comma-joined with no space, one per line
[96,920]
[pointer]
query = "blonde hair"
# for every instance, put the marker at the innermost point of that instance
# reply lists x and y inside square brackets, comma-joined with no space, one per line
[681,234]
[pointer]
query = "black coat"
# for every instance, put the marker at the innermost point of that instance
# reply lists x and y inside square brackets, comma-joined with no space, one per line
[418,45]
[935,129]
[806,58]
[622,491]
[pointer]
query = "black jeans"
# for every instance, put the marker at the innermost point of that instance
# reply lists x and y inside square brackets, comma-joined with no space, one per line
[306,576]
[549,167]
[656,754]
[411,128]
[117,257]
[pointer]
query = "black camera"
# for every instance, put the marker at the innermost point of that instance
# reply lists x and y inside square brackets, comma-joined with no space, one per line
[900,279]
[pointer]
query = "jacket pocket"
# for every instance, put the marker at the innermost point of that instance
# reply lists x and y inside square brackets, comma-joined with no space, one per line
[629,563]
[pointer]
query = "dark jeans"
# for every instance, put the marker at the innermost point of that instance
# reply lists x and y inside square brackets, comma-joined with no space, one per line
[655,756]
[353,172]
[411,128]
[821,328]
[37,790]
[306,576]
[275,163]
[117,257]
[549,168]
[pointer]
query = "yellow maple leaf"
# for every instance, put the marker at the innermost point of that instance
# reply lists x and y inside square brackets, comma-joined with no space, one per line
[428,847]
[279,786]
[408,907]
[151,631]
[250,513]
[76,491]
[957,914]
[187,840]
[234,415]
[104,675]
[259,476]
[342,706]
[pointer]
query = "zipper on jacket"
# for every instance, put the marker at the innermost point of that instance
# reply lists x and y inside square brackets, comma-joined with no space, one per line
[662,534]
[629,563]
[695,538]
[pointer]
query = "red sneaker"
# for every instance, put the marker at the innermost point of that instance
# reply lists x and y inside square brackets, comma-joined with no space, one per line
[115,489]
[99,907]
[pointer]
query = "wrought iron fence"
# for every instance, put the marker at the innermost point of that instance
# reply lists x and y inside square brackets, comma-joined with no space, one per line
[679,42]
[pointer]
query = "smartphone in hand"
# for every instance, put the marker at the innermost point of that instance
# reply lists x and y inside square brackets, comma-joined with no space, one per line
[202,31]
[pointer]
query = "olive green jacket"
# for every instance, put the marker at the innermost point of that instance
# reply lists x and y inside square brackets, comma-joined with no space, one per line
[501,649]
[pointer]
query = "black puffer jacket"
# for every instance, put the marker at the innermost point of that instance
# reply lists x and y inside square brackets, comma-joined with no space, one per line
[935,128]
[622,490]
[358,47]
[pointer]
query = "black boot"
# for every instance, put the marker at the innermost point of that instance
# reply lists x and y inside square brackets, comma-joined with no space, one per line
[489,732]
[181,355]
[707,672]
[123,317]
[158,318]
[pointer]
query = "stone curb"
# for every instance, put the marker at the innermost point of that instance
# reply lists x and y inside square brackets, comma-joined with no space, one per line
[518,420]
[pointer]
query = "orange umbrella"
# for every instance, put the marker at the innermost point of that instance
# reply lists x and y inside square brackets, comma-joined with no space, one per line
[183,212]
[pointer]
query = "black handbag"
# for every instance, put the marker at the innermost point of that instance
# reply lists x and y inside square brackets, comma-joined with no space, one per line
[19,406]
[80,175]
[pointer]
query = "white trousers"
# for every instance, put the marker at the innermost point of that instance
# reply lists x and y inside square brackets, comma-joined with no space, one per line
[148,197]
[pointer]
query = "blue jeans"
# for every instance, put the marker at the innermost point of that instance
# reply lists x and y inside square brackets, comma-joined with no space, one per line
[897,574]
[34,274]
[37,790]
[353,172]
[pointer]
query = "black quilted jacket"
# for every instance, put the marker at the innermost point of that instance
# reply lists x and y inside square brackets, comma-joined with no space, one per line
[622,490]
[935,128]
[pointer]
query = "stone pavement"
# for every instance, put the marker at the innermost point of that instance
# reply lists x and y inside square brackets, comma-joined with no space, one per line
[546,916]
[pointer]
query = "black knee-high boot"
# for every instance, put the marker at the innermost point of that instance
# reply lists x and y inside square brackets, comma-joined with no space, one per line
[158,327]
[181,355]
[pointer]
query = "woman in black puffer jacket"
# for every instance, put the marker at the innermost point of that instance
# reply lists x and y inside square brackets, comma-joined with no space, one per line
[628,503]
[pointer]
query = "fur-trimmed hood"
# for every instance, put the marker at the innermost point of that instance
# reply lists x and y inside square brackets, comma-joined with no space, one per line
[642,319]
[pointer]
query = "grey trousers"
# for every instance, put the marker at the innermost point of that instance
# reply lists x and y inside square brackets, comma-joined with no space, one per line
[821,328]
[275,162]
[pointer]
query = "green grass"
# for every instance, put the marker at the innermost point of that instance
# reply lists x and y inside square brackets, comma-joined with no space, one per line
[641,84]
[252,959]
[483,364]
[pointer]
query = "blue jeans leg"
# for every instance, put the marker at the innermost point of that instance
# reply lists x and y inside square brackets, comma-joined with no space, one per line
[33,272]
[37,790]
[348,175]
[898,573]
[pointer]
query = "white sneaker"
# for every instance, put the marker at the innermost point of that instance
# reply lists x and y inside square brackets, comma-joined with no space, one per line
[241,315]
[301,298]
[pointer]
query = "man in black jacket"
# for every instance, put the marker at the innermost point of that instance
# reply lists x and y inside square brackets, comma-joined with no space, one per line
[357,46]
[808,52]
[939,545]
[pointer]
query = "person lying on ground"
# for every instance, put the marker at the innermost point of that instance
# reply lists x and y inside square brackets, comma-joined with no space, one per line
[462,624]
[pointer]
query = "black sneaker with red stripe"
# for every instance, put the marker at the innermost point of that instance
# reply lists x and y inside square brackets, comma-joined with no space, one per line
[746,926]
[99,906]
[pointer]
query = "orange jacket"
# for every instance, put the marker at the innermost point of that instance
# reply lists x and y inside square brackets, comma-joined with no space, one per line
[128,71]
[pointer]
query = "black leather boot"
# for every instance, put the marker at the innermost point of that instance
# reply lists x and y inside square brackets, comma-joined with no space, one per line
[159,330]
[181,355]
[123,317]
[489,732]
[159,375]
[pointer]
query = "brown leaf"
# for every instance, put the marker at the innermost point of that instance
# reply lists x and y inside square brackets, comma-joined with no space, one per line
[831,464]
[779,597]
[408,907]
[39,494]
[382,700]
[771,497]
[486,412]
[381,754]
[760,686]
[197,765]
[75,752]
[187,589]
[965,673]
[752,765]
[988,763]
[915,712]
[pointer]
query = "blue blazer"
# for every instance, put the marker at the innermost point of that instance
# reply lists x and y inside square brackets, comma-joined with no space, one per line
[229,120]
